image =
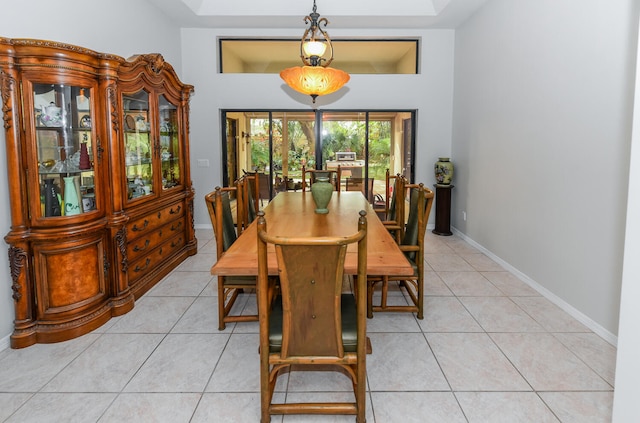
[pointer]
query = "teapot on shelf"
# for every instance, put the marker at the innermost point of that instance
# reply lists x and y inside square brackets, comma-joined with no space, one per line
[51,115]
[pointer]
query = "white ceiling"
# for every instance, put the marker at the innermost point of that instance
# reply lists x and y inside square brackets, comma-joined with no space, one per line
[372,14]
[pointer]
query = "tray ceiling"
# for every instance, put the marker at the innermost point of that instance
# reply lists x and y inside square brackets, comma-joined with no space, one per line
[341,14]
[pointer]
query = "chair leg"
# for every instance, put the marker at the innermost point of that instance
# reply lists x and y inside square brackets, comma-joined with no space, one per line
[370,288]
[361,391]
[221,313]
[420,298]
[265,395]
[385,290]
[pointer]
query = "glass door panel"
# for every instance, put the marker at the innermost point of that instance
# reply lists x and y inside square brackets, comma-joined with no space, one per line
[138,146]
[258,141]
[343,144]
[294,144]
[169,144]
[381,126]
[64,149]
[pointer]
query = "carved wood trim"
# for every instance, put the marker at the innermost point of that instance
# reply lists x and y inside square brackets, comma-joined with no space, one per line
[155,62]
[62,46]
[17,259]
[121,242]
[193,226]
[106,265]
[99,148]
[6,87]
[113,103]
[187,111]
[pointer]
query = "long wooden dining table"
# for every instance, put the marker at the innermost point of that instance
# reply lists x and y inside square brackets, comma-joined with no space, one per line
[291,214]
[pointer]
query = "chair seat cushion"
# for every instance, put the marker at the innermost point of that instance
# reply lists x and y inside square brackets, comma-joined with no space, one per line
[230,281]
[413,264]
[349,324]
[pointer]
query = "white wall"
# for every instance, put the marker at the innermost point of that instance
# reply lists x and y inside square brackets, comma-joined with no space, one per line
[542,128]
[143,29]
[431,93]
[120,27]
[626,408]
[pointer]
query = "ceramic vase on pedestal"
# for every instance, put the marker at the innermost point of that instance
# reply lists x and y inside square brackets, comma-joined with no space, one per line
[71,198]
[322,190]
[443,170]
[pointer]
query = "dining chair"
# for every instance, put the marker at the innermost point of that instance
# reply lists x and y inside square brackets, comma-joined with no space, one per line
[242,213]
[396,213]
[381,202]
[333,175]
[263,187]
[312,325]
[259,184]
[229,287]
[359,184]
[412,244]
[249,193]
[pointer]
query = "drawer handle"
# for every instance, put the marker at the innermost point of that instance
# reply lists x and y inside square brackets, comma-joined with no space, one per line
[175,211]
[136,229]
[138,248]
[178,226]
[176,243]
[146,264]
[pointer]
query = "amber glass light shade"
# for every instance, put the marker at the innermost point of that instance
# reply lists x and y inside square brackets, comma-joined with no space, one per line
[314,80]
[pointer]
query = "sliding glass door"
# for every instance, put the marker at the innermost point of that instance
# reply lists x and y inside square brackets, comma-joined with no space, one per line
[363,144]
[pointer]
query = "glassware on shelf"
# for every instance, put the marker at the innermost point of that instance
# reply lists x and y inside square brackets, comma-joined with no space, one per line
[51,198]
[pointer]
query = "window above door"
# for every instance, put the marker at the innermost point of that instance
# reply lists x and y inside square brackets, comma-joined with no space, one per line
[383,56]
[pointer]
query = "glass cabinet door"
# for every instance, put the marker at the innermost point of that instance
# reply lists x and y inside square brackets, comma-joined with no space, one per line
[169,144]
[138,145]
[65,149]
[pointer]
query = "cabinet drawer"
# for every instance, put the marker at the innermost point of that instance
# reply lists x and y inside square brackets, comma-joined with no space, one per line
[145,264]
[149,240]
[148,223]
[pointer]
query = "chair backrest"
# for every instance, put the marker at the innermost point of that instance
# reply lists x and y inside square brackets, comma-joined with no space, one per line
[242,213]
[251,194]
[359,184]
[219,207]
[421,200]
[396,208]
[263,187]
[333,175]
[381,201]
[311,274]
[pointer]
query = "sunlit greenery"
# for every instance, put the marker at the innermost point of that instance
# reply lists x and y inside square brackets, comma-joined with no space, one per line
[337,136]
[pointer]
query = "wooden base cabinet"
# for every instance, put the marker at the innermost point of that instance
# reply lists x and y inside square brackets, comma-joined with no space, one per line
[99,182]
[153,237]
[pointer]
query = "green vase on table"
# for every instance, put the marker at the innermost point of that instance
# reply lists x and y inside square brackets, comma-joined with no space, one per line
[322,190]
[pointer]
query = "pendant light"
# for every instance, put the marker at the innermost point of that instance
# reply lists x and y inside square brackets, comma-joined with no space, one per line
[315,77]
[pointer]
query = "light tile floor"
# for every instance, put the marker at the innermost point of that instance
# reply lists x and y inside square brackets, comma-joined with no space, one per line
[490,349]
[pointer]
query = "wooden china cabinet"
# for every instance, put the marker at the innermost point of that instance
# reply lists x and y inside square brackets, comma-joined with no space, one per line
[99,182]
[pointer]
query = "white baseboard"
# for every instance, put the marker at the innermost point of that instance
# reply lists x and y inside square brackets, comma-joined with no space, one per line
[578,315]
[5,342]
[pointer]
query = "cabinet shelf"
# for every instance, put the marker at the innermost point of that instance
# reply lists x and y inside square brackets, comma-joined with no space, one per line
[71,172]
